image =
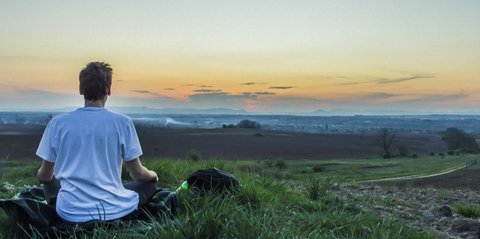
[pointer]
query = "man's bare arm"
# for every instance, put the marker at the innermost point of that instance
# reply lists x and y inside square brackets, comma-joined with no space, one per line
[139,172]
[45,172]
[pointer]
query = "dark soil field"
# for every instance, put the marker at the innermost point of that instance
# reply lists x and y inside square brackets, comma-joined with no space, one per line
[20,142]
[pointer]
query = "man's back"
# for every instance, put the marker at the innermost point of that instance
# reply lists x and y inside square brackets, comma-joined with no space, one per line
[87,147]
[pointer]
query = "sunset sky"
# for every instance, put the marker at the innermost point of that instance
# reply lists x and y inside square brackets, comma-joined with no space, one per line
[262,56]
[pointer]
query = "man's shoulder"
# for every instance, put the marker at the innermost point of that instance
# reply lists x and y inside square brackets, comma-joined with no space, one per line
[79,113]
[118,116]
[60,117]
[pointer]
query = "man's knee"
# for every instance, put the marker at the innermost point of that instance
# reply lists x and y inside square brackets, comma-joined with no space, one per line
[145,190]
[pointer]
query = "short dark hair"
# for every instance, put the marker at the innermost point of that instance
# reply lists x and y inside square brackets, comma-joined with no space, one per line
[94,80]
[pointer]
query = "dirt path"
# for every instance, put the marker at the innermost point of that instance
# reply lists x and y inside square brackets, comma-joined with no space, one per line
[417,176]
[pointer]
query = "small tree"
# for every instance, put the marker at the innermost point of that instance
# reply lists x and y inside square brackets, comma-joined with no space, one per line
[386,138]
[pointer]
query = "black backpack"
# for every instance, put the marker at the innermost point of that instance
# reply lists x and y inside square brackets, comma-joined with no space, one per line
[212,179]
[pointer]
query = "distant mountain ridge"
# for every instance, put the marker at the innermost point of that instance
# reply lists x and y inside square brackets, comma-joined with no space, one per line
[146,110]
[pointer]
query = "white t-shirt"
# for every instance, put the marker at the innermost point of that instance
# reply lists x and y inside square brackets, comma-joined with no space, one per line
[87,146]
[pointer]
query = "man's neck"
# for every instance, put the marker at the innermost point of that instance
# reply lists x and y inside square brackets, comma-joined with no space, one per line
[97,103]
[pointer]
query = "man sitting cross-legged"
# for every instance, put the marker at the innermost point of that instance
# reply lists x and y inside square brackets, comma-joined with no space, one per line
[83,152]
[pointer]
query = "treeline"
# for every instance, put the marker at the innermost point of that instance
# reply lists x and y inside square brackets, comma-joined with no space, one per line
[458,140]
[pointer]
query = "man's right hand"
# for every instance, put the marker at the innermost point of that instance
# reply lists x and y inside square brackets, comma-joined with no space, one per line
[154,176]
[139,172]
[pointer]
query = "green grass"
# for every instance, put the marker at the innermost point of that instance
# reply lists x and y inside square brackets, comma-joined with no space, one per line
[278,199]
[467,210]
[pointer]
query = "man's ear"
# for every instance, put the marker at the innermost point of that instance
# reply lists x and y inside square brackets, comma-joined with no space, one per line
[108,90]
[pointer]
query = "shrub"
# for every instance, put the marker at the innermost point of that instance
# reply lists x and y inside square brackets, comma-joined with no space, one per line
[387,156]
[248,124]
[280,164]
[316,188]
[228,126]
[318,168]
[313,189]
[414,156]
[302,171]
[193,155]
[432,154]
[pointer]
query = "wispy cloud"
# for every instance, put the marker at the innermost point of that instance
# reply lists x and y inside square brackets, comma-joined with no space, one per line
[281,87]
[168,88]
[215,93]
[383,80]
[354,83]
[142,91]
[419,103]
[206,86]
[259,93]
[403,79]
[434,98]
[151,93]
[207,91]
[371,97]
[254,83]
[376,96]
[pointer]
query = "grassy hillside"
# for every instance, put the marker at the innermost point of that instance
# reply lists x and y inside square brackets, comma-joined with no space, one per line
[278,199]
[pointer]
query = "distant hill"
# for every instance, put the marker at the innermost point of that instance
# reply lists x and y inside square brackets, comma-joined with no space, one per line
[353,112]
[319,112]
[333,112]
